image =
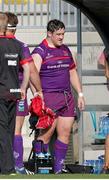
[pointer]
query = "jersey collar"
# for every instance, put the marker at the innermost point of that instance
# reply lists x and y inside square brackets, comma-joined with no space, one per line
[45,42]
[9,36]
[2,36]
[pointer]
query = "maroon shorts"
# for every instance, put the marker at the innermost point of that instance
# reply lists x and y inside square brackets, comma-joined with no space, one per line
[63,103]
[22,108]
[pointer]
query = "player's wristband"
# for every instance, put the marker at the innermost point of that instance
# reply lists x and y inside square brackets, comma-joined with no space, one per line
[80,94]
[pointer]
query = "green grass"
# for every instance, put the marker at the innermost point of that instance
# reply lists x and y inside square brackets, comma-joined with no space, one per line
[59,176]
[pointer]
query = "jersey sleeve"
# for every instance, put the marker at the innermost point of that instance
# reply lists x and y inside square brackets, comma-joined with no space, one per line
[38,50]
[72,62]
[25,54]
[72,65]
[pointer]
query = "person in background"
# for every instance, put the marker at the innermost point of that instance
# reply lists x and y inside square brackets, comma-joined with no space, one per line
[11,58]
[106,156]
[22,106]
[104,61]
[58,72]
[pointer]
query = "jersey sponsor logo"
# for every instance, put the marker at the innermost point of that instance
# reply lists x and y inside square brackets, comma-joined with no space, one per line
[58,66]
[11,55]
[12,63]
[49,56]
[15,90]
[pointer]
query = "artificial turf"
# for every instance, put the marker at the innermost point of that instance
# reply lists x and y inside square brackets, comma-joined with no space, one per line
[59,176]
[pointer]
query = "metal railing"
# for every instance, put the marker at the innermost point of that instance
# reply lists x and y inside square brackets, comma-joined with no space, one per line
[36,13]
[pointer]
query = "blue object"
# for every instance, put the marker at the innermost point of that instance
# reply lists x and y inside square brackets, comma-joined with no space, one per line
[98,136]
[23,170]
[43,171]
[93,117]
[96,164]
[103,126]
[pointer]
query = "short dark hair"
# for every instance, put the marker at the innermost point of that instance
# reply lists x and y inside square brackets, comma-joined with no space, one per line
[54,25]
[12,18]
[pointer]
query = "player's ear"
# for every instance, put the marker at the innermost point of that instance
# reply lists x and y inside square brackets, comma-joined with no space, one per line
[49,34]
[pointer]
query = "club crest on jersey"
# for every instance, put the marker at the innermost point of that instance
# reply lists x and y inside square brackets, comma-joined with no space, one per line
[65,53]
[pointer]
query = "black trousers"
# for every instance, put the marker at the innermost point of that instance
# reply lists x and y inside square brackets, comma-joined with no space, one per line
[7,128]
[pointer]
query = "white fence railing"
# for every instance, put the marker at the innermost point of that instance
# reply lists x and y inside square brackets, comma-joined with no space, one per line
[36,13]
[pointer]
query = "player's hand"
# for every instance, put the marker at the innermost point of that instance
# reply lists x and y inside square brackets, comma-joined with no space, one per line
[23,94]
[81,103]
[39,93]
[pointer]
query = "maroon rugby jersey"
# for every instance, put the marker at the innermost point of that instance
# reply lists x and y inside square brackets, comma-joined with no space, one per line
[57,62]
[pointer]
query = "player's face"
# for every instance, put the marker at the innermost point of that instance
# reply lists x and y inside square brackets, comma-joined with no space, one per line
[57,37]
